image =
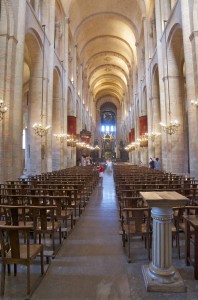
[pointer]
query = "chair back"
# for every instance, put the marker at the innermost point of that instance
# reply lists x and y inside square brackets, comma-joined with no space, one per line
[11,241]
[138,217]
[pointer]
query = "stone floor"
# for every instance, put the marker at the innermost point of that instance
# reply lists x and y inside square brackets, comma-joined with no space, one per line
[92,264]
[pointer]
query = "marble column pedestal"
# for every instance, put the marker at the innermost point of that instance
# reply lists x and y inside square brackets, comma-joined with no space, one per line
[160,275]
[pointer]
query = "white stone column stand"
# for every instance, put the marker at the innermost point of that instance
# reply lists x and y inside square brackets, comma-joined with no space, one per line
[161,275]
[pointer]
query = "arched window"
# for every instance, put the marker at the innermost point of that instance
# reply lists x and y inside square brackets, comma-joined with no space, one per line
[108,122]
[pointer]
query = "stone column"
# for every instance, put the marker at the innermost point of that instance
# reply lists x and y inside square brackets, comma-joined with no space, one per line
[49,48]
[162,245]
[81,96]
[190,39]
[17,103]
[65,84]
[161,275]
[161,75]
[37,161]
[11,78]
[75,77]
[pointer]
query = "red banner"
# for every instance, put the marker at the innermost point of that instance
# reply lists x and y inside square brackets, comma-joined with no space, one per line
[71,125]
[132,135]
[129,137]
[143,125]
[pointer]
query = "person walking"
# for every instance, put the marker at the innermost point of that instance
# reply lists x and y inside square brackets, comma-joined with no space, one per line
[151,164]
[101,171]
[109,165]
[157,164]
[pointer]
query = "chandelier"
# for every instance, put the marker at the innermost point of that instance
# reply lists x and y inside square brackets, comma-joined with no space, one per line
[153,135]
[194,102]
[87,146]
[71,140]
[143,140]
[3,109]
[172,126]
[130,147]
[39,128]
[61,136]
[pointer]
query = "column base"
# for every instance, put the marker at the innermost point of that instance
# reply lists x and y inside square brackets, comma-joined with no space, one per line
[157,284]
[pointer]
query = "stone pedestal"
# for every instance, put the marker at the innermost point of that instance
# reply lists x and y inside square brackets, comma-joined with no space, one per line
[160,275]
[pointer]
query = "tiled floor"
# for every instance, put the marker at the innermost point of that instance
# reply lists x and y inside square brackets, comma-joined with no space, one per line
[92,264]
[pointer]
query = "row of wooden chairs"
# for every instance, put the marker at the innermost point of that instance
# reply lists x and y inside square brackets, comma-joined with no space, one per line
[134,213]
[31,214]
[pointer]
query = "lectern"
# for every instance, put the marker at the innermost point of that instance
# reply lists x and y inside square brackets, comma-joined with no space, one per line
[161,275]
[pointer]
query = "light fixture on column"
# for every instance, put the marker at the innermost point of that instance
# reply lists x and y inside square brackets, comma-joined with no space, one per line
[194,102]
[143,140]
[62,136]
[153,135]
[130,147]
[71,140]
[173,125]
[3,109]
[39,128]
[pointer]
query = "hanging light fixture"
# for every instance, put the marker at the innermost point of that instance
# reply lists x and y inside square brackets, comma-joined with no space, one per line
[62,136]
[153,135]
[143,140]
[39,128]
[172,126]
[194,102]
[3,109]
[71,140]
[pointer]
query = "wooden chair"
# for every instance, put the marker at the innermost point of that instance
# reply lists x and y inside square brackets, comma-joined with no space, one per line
[63,213]
[177,213]
[18,251]
[137,222]
[15,215]
[185,211]
[129,202]
[180,227]
[44,222]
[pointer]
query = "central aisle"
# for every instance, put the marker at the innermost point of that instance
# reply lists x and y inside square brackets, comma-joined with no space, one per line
[91,263]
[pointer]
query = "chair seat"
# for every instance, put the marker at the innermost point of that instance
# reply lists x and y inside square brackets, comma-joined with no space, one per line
[16,249]
[131,229]
[33,252]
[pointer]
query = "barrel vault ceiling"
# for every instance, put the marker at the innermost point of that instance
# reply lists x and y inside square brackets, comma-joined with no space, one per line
[106,32]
